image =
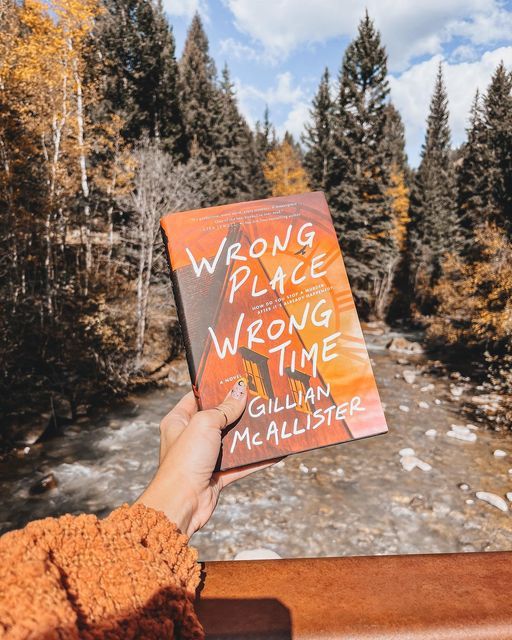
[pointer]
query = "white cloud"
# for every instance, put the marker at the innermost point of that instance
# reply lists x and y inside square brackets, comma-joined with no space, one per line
[409,29]
[238,50]
[464,52]
[297,117]
[283,92]
[184,8]
[412,90]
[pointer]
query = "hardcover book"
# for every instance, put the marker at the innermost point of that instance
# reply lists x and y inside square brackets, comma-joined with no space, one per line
[262,293]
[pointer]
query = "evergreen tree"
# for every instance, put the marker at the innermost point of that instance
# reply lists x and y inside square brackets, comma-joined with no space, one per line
[498,122]
[318,137]
[473,179]
[199,93]
[140,72]
[264,142]
[394,135]
[240,175]
[359,173]
[433,204]
[265,137]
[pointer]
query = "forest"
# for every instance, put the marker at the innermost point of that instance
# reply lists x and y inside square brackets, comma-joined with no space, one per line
[103,130]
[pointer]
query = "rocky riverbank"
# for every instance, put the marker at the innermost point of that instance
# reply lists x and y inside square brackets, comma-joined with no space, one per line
[440,481]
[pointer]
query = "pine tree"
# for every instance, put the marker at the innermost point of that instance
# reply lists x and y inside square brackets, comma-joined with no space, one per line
[433,204]
[199,92]
[359,173]
[240,175]
[318,137]
[265,136]
[473,179]
[139,72]
[498,122]
[264,142]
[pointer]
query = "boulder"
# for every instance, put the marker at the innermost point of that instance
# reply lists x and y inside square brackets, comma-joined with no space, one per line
[493,499]
[402,345]
[374,328]
[409,376]
[178,372]
[43,485]
[462,433]
[257,554]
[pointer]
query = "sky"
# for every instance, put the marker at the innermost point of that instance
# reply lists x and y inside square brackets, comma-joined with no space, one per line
[277,50]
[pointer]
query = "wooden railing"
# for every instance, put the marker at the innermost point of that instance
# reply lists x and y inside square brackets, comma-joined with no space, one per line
[415,597]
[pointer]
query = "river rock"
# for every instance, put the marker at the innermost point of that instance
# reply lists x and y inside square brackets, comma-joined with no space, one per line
[178,373]
[407,452]
[404,408]
[459,428]
[492,498]
[43,485]
[423,405]
[410,462]
[499,453]
[303,468]
[509,496]
[463,486]
[456,391]
[427,387]
[402,345]
[409,376]
[462,433]
[374,328]
[257,554]
[431,433]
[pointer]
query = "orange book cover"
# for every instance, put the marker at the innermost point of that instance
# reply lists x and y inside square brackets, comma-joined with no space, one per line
[262,292]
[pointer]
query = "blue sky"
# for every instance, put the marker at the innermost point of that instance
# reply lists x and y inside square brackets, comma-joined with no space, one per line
[277,49]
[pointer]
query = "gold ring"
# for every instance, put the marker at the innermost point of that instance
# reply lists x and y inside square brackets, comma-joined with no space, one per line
[223,413]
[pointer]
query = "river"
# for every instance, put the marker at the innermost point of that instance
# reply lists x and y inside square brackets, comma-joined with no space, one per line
[352,499]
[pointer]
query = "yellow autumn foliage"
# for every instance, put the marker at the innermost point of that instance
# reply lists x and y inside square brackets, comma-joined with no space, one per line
[475,298]
[284,171]
[400,203]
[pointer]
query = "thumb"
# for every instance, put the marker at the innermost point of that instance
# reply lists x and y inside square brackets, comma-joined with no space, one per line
[233,405]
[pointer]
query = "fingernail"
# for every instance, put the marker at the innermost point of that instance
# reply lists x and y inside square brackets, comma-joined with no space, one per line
[239,389]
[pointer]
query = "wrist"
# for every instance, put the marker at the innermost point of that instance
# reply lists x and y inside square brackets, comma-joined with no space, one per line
[170,496]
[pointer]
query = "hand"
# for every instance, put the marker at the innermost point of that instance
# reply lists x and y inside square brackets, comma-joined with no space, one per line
[185,486]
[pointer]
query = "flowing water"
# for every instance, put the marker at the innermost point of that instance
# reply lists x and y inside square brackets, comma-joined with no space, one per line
[352,499]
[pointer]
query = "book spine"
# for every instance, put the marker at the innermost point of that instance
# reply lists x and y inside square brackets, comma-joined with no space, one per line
[178,298]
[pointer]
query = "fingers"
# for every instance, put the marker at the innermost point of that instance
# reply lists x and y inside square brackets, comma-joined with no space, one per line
[176,421]
[225,478]
[229,410]
[186,408]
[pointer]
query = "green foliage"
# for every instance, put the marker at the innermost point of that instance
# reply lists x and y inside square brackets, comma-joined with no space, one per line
[358,176]
[236,159]
[199,93]
[432,231]
[474,179]
[498,124]
[318,136]
[139,73]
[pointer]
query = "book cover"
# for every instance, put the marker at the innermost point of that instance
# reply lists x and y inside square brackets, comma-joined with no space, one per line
[262,292]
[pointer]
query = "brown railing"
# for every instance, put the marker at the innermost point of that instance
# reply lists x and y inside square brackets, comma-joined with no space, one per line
[415,597]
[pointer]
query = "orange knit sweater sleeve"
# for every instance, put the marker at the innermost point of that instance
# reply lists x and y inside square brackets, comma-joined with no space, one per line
[131,575]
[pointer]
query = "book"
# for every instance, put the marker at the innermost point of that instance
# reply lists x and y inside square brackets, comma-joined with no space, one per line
[261,292]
